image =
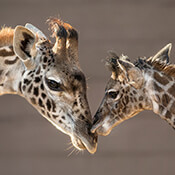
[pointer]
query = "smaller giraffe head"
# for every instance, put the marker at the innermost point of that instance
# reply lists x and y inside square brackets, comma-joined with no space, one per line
[53,82]
[125,93]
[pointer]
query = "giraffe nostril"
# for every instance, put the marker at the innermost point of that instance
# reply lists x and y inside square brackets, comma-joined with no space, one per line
[116,105]
[96,117]
[95,138]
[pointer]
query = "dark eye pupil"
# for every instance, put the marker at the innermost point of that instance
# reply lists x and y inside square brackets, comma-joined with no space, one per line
[113,94]
[53,85]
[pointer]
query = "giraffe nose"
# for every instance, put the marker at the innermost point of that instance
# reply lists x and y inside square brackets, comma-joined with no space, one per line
[97,121]
[101,124]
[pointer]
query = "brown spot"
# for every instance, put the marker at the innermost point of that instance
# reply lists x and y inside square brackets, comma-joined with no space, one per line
[37,79]
[53,106]
[161,79]
[33,101]
[29,73]
[81,117]
[55,116]
[27,82]
[131,94]
[20,87]
[172,109]
[40,102]
[131,99]
[161,108]
[23,87]
[42,86]
[43,112]
[124,110]
[126,99]
[36,91]
[75,103]
[63,117]
[168,115]
[116,105]
[171,90]
[48,115]
[157,88]
[45,59]
[5,53]
[48,104]
[86,112]
[38,71]
[10,62]
[135,99]
[77,111]
[1,71]
[43,95]
[134,92]
[140,98]
[165,99]
[60,121]
[140,105]
[127,89]
[30,88]
[44,66]
[123,101]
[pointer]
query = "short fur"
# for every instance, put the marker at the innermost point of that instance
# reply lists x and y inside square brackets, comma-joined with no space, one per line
[6,36]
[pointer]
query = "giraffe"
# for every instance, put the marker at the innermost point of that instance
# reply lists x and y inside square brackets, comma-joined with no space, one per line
[146,84]
[49,77]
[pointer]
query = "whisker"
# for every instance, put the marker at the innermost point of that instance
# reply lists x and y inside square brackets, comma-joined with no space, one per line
[77,152]
[71,153]
[69,143]
[71,146]
[82,152]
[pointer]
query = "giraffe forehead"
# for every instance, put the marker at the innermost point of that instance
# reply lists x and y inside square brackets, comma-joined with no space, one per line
[112,84]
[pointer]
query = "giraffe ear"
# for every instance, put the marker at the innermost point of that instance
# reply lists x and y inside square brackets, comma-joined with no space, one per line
[24,46]
[130,73]
[35,30]
[163,55]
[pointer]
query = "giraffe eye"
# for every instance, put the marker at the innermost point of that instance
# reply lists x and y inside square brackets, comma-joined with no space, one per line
[53,85]
[113,94]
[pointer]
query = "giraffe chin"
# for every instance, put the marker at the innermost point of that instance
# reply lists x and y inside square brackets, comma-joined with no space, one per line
[82,144]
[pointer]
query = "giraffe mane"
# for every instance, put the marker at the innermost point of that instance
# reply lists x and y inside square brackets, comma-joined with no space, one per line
[6,36]
[167,68]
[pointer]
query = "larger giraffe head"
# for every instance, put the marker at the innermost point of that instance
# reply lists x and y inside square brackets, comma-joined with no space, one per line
[53,82]
[132,88]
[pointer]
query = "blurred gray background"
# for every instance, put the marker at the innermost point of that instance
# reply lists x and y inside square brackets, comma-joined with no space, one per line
[142,145]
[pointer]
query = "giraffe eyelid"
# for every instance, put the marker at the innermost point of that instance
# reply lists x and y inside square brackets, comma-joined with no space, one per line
[54,85]
[114,94]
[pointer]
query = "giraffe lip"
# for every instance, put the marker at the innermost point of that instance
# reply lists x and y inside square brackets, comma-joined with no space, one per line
[90,146]
[83,143]
[95,127]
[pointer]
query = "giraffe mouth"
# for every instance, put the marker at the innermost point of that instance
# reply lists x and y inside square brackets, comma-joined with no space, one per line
[101,128]
[82,143]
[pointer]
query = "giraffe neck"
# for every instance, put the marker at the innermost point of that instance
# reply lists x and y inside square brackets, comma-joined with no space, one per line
[11,70]
[161,91]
